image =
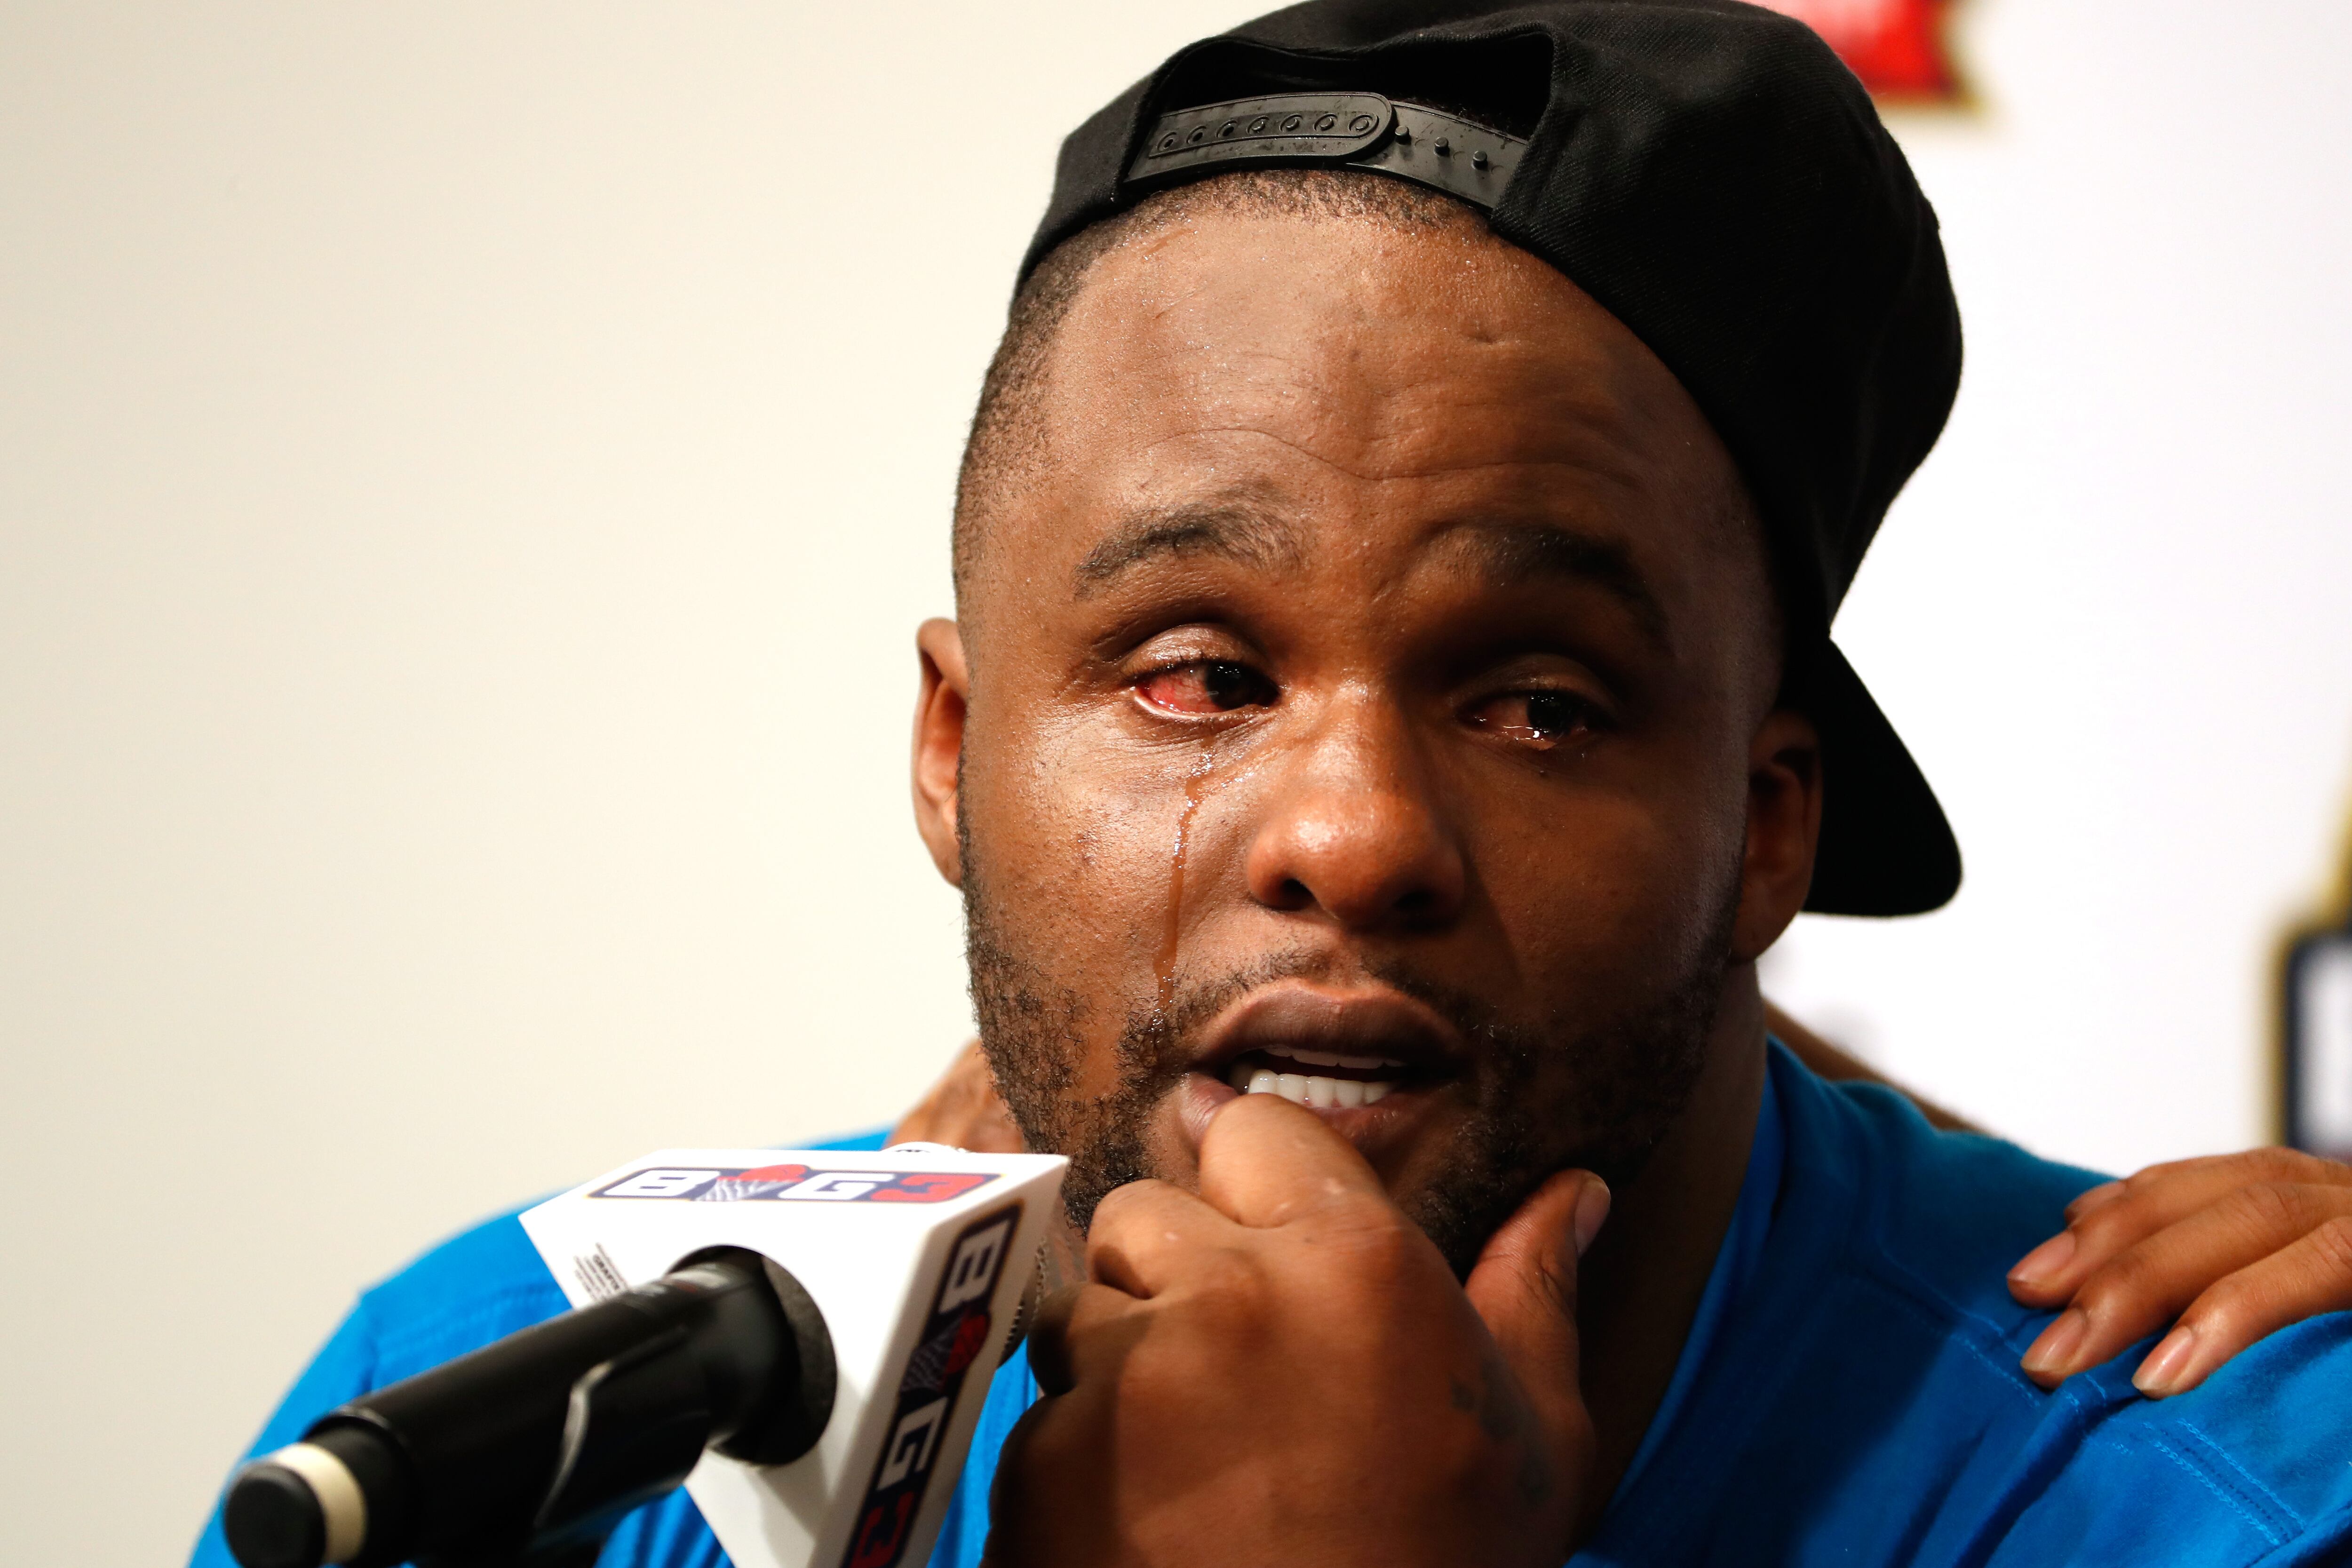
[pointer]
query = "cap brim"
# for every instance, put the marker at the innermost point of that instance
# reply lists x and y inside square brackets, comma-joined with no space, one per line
[1885,849]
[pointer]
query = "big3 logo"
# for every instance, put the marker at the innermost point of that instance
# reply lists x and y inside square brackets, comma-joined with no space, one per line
[955,1333]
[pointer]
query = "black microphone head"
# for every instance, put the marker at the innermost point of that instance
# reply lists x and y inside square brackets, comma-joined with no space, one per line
[273,1519]
[337,1496]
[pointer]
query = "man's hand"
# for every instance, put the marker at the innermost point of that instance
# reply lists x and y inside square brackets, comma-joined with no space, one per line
[1283,1370]
[2234,1246]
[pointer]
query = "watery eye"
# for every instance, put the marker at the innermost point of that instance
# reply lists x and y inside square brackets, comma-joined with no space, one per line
[1536,718]
[1207,686]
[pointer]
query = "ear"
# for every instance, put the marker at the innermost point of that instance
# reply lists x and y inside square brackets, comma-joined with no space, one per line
[939,743]
[1784,824]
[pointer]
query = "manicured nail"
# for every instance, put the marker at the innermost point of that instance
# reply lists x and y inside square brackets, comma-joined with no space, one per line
[2167,1365]
[2058,1343]
[2044,1260]
[1591,1208]
[2088,1201]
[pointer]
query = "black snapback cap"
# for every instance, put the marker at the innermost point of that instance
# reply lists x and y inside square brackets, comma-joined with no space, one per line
[1715,178]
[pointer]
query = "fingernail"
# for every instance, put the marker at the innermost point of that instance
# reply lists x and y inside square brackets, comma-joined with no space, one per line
[2057,1344]
[2162,1372]
[1591,1209]
[2088,1201]
[2044,1260]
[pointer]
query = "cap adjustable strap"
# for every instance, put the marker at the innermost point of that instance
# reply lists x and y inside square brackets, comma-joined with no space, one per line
[1332,130]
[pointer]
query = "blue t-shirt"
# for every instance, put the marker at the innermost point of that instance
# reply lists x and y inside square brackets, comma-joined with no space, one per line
[1849,1392]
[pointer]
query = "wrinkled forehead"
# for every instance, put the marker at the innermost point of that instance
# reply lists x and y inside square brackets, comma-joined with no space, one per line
[1403,345]
[1256,365]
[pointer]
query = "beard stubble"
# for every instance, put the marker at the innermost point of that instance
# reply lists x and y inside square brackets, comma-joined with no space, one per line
[1623,1084]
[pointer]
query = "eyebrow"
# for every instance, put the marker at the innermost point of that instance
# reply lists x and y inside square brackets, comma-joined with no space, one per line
[1238,532]
[1512,555]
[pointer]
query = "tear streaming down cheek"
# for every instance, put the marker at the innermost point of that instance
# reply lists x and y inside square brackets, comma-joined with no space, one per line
[1539,1100]
[1172,942]
[1038,1037]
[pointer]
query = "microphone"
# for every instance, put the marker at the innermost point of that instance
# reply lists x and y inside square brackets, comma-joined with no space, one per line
[539,1438]
[806,1407]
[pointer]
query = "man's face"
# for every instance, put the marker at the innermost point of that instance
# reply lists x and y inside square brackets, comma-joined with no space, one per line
[1369,698]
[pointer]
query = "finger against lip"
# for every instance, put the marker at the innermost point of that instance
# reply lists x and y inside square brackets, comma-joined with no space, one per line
[1266,1162]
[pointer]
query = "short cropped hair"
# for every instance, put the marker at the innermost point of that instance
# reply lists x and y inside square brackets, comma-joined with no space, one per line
[1007,449]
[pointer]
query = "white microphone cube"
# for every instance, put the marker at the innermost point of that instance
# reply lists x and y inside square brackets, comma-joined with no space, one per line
[918,1256]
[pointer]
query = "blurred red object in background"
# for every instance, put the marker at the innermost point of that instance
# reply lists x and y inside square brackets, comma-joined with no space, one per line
[1895,47]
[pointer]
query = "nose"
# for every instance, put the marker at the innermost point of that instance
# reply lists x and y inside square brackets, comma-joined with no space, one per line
[1353,828]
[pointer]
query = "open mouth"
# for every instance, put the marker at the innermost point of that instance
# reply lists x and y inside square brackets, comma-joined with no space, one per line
[1324,1080]
[1370,1057]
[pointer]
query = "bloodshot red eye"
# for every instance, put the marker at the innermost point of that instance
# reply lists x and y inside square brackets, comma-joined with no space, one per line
[1206,685]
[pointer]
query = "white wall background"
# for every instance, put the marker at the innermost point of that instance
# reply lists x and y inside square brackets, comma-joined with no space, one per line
[468,474]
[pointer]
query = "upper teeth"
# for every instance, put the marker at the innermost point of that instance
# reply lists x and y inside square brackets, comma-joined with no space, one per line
[1308,1089]
[1330,1058]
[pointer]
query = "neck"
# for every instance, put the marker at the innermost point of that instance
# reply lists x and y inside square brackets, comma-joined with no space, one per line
[1639,1286]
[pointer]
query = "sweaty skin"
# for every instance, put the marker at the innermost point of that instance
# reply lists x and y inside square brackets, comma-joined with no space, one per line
[1380,662]
[1389,664]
